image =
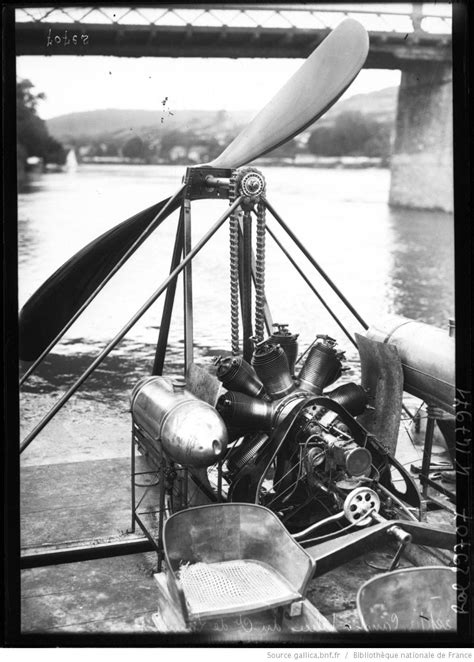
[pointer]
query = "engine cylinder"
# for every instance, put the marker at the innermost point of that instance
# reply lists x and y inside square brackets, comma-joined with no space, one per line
[427,354]
[271,365]
[238,375]
[322,366]
[240,456]
[288,342]
[242,411]
[191,431]
[351,396]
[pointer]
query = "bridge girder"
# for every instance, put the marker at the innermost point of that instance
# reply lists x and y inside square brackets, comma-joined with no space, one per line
[388,50]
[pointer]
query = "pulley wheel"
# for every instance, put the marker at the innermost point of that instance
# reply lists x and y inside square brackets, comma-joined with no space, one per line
[359,503]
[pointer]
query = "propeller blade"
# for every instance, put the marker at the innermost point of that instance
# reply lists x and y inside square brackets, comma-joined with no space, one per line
[56,301]
[312,90]
[309,93]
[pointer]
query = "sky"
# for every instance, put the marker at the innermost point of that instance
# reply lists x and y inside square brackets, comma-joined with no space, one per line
[74,84]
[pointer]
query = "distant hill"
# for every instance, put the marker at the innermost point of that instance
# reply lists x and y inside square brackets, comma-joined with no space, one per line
[95,123]
[379,105]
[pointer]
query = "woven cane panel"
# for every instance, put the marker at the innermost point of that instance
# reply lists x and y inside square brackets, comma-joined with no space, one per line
[232,586]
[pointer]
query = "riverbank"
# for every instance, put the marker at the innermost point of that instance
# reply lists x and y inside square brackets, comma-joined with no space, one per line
[300,160]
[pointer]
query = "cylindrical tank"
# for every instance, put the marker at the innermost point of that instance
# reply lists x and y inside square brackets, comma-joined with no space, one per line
[238,375]
[271,365]
[322,366]
[191,431]
[427,354]
[288,342]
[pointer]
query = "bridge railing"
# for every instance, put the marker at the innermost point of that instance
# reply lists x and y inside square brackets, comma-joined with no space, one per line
[434,19]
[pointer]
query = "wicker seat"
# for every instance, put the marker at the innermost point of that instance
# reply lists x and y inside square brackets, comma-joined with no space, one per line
[232,558]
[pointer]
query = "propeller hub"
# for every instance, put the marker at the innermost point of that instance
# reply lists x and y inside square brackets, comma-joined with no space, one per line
[252,184]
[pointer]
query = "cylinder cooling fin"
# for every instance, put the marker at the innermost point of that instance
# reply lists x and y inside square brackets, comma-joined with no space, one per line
[271,365]
[291,443]
[322,366]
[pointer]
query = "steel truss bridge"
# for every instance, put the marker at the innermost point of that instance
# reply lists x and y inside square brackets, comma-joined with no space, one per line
[399,34]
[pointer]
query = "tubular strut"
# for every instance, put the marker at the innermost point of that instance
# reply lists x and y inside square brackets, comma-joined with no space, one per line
[259,289]
[123,332]
[136,244]
[311,286]
[321,271]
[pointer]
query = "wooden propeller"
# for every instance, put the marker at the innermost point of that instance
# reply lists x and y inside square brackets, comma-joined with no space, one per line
[309,93]
[317,84]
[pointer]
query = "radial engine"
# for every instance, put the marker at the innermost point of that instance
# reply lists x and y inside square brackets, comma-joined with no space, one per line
[280,436]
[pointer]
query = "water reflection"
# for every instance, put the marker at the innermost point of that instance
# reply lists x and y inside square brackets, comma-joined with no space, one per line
[422,273]
[385,261]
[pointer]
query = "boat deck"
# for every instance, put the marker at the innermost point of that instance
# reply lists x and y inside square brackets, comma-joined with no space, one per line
[72,503]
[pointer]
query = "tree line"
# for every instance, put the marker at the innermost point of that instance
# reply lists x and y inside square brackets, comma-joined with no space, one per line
[33,137]
[351,133]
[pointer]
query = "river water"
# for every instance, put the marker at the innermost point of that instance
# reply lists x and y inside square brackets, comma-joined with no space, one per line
[385,261]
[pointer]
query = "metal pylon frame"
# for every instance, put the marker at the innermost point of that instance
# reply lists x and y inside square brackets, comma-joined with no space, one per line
[205,183]
[213,183]
[199,183]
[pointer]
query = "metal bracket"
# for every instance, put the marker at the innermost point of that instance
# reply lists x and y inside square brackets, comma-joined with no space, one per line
[197,181]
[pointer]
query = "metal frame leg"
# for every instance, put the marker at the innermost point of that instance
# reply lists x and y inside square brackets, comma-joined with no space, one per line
[188,290]
[318,268]
[427,449]
[162,342]
[132,480]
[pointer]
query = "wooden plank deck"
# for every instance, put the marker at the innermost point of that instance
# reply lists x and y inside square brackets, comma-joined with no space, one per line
[85,501]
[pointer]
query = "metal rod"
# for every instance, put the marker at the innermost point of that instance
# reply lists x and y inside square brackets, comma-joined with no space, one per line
[316,525]
[136,244]
[245,268]
[218,181]
[167,313]
[188,290]
[300,7]
[132,479]
[427,481]
[219,481]
[427,448]
[321,271]
[185,487]
[310,285]
[123,332]
[85,553]
[161,513]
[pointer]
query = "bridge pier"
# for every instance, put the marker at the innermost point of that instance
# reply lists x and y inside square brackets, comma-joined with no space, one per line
[422,159]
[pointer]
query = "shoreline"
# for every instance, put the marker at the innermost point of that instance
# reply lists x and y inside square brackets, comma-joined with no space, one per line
[307,162]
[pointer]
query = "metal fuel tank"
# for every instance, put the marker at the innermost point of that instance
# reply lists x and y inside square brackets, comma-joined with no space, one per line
[427,354]
[191,431]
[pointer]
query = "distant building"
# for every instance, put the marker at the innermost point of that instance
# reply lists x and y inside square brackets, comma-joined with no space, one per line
[198,153]
[178,153]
